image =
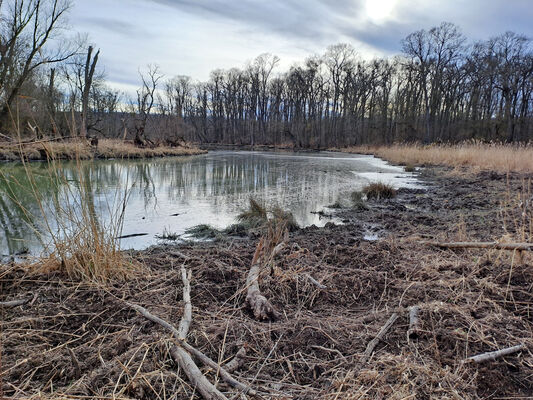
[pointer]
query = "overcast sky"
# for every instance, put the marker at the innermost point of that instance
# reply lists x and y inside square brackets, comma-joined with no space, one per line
[192,37]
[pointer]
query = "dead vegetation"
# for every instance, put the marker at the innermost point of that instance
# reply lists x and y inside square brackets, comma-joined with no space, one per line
[82,149]
[379,191]
[341,323]
[478,156]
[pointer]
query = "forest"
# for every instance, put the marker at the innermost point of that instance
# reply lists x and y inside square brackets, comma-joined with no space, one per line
[440,87]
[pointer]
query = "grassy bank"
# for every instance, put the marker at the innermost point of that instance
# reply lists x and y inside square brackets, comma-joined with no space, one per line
[494,157]
[82,149]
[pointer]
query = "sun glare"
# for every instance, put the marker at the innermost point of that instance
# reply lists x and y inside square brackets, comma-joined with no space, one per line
[378,10]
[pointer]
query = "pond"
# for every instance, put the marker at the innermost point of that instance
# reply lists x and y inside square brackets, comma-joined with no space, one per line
[173,194]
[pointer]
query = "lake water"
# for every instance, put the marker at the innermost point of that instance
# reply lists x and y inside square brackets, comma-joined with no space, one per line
[174,194]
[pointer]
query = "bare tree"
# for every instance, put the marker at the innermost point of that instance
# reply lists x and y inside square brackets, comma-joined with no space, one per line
[29,26]
[145,102]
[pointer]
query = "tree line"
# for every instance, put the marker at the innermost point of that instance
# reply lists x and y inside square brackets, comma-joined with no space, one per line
[440,88]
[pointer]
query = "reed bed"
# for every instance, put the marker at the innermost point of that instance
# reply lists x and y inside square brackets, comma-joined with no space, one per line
[494,157]
[72,149]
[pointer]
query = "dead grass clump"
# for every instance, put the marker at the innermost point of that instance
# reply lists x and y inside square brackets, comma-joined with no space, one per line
[285,218]
[259,216]
[255,216]
[379,190]
[203,231]
[168,235]
[409,168]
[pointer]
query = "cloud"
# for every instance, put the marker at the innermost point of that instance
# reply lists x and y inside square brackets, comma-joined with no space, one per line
[193,37]
[312,19]
[115,25]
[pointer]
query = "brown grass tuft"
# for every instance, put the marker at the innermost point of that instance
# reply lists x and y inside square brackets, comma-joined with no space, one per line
[379,190]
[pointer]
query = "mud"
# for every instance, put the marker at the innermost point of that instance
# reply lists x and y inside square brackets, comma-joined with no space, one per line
[79,340]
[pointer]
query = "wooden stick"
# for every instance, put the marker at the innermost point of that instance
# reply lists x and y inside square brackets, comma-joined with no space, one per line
[414,323]
[14,303]
[261,307]
[493,355]
[374,342]
[482,245]
[194,351]
[183,358]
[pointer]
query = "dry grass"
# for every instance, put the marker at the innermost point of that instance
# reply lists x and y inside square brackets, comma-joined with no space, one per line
[379,190]
[81,149]
[495,157]
[77,241]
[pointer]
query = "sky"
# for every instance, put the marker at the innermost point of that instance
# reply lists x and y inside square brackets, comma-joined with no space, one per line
[193,37]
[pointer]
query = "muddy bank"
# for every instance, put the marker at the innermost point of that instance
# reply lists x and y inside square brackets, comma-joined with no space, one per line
[74,339]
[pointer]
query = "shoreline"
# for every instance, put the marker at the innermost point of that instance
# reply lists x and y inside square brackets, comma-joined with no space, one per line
[470,301]
[83,150]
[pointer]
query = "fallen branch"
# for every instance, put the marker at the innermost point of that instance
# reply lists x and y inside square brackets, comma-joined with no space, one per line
[226,377]
[493,355]
[482,245]
[414,323]
[182,357]
[14,303]
[374,342]
[261,307]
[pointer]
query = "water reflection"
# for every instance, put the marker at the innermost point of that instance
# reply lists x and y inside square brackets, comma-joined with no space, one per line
[177,193]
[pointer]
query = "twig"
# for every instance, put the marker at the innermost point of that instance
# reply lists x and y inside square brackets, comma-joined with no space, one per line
[493,355]
[75,363]
[14,303]
[315,282]
[374,342]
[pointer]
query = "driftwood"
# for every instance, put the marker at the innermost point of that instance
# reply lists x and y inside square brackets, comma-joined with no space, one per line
[414,323]
[261,307]
[493,355]
[226,377]
[374,342]
[483,245]
[14,303]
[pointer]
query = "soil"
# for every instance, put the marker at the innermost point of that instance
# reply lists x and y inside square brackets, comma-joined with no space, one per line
[79,340]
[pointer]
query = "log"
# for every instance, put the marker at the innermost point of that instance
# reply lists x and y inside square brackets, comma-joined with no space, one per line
[482,245]
[374,342]
[493,355]
[414,323]
[14,303]
[262,309]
